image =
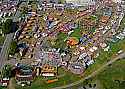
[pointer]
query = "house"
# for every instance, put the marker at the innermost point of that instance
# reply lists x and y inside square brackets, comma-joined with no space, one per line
[84,38]
[50,58]
[104,19]
[48,71]
[107,12]
[89,23]
[22,48]
[93,49]
[59,6]
[5,82]
[76,67]
[72,41]
[81,14]
[24,74]
[85,58]
[49,5]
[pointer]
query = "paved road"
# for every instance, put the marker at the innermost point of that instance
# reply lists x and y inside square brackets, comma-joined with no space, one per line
[94,73]
[4,51]
[7,42]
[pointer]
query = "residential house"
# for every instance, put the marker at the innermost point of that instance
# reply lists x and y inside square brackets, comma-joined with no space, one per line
[24,74]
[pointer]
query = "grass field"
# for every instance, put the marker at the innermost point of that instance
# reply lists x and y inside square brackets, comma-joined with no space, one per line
[114,76]
[76,33]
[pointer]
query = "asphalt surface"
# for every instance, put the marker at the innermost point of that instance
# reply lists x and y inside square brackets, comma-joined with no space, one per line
[7,42]
[4,51]
[93,74]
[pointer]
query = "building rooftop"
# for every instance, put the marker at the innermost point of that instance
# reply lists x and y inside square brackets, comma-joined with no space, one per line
[49,68]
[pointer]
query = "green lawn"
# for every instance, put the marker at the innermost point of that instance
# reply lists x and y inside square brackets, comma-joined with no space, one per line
[62,37]
[114,76]
[3,88]
[93,17]
[76,33]
[60,42]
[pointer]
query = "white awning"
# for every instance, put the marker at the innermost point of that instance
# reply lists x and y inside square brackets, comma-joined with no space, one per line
[48,74]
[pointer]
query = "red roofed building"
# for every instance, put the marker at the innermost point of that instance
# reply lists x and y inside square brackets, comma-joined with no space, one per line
[24,73]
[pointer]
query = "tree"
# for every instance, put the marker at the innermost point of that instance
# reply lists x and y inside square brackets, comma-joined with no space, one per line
[13,48]
[6,71]
[122,85]
[59,43]
[7,26]
[0,25]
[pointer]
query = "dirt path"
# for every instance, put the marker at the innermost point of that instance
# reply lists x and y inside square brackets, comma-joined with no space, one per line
[98,84]
[11,84]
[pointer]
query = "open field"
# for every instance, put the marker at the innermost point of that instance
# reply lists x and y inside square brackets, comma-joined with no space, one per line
[114,76]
